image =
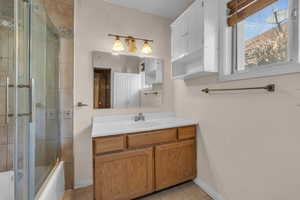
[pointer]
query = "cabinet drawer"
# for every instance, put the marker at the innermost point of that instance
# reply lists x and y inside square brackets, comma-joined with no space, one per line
[109,144]
[151,138]
[186,132]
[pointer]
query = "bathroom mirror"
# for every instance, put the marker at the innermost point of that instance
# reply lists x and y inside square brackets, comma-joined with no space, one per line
[125,81]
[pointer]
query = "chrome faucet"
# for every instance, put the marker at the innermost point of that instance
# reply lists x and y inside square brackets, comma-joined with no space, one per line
[139,117]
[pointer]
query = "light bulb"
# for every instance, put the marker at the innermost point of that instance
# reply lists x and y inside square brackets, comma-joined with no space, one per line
[118,46]
[131,44]
[147,48]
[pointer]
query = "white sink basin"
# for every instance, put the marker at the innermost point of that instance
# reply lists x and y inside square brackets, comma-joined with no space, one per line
[107,126]
[144,124]
[114,126]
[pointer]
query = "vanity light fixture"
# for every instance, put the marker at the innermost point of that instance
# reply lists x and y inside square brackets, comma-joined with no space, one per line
[118,46]
[147,49]
[131,44]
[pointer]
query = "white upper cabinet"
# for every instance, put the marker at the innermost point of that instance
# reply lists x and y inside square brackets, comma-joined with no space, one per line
[194,41]
[180,34]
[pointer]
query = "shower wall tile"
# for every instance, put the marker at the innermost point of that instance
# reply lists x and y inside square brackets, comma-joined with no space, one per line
[67,150]
[3,135]
[66,99]
[3,157]
[51,151]
[41,147]
[66,72]
[69,175]
[52,127]
[10,157]
[11,134]
[66,50]
[67,128]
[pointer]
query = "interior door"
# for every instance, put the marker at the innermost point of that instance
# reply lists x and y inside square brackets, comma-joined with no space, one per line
[127,87]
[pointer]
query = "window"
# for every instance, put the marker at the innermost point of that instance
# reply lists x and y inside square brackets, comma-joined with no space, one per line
[263,36]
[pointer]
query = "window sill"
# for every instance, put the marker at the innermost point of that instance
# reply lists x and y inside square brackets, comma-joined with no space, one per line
[281,69]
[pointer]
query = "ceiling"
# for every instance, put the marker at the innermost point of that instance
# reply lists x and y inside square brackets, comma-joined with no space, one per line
[165,8]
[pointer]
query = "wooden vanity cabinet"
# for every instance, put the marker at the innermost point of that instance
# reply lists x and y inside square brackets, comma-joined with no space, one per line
[125,175]
[174,163]
[125,169]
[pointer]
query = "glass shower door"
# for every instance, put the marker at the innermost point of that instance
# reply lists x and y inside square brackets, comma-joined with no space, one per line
[44,60]
[7,100]
[14,103]
[29,101]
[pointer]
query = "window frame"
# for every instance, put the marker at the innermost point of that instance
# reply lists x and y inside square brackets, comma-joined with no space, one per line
[228,62]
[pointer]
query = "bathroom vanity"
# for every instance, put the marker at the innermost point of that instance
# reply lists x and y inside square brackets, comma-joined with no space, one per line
[133,159]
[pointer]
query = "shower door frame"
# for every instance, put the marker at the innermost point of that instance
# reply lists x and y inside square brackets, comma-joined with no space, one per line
[25,174]
[28,172]
[32,127]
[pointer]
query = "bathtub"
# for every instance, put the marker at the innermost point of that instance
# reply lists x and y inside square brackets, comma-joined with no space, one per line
[54,186]
[52,189]
[7,185]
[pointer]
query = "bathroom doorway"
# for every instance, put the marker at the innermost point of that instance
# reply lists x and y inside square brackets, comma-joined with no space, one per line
[102,88]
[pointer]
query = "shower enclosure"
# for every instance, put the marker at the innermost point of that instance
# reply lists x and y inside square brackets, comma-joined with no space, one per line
[29,101]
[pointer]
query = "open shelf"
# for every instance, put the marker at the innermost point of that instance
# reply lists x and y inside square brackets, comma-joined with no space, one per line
[189,66]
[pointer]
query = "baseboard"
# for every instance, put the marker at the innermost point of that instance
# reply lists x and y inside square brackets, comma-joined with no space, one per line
[205,187]
[84,183]
[208,189]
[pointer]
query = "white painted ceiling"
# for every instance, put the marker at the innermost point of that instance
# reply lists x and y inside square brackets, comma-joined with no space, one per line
[165,8]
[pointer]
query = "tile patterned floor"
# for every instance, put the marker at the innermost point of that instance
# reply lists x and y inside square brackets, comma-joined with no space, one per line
[187,191]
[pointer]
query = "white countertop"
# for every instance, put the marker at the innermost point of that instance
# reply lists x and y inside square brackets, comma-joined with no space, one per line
[121,124]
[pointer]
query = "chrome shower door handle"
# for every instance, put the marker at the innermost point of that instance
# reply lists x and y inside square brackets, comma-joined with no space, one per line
[32,101]
[7,100]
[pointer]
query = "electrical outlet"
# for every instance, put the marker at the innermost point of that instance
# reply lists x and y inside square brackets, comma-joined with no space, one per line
[68,114]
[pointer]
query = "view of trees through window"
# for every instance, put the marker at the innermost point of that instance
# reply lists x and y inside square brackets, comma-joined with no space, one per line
[266,36]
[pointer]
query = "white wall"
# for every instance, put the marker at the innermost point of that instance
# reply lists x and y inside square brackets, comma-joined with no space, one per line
[94,19]
[248,147]
[248,142]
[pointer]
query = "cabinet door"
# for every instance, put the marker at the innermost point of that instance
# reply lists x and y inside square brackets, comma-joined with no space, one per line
[196,26]
[175,163]
[123,176]
[180,37]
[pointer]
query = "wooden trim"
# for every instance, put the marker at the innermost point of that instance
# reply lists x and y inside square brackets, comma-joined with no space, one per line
[236,5]
[248,11]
